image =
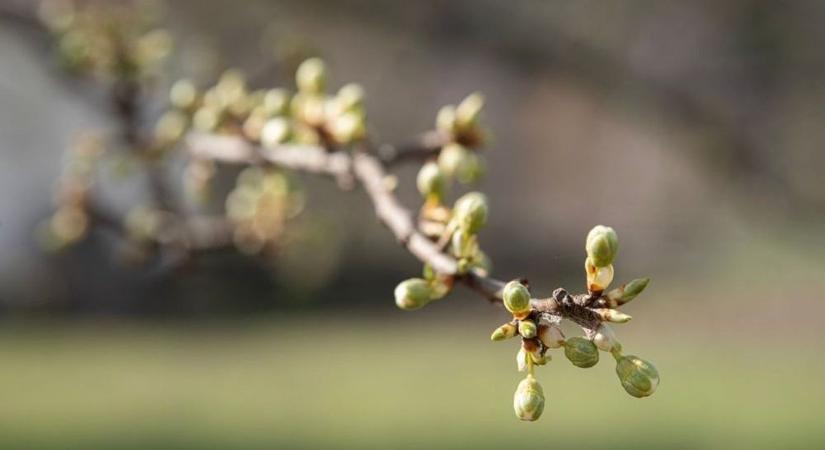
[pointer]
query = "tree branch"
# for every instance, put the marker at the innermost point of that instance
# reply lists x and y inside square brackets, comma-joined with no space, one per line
[370,173]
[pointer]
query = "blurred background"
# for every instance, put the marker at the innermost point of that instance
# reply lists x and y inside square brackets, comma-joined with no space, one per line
[695,129]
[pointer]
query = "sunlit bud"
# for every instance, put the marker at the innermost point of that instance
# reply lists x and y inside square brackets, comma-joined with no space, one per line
[207,118]
[430,182]
[467,112]
[527,328]
[275,102]
[581,352]
[528,401]
[231,87]
[522,359]
[183,94]
[605,339]
[612,315]
[516,298]
[254,124]
[171,126]
[551,335]
[311,76]
[452,157]
[348,127]
[639,377]
[412,294]
[464,244]
[598,278]
[304,134]
[471,211]
[309,108]
[628,292]
[503,332]
[445,120]
[275,132]
[350,98]
[601,245]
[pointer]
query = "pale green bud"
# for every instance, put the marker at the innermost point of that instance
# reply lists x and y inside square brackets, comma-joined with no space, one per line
[472,170]
[276,102]
[309,108]
[452,157]
[522,360]
[503,332]
[275,132]
[464,244]
[605,339]
[527,328]
[471,211]
[628,292]
[445,120]
[598,278]
[581,352]
[412,294]
[183,94]
[639,377]
[528,401]
[430,181]
[612,315]
[207,118]
[350,98]
[171,126]
[467,112]
[311,76]
[601,245]
[516,298]
[348,127]
[551,335]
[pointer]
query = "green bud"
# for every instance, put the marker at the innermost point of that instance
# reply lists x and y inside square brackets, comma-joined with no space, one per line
[311,76]
[452,157]
[601,245]
[472,170]
[598,278]
[350,98]
[445,120]
[516,297]
[207,118]
[183,94]
[503,332]
[639,377]
[430,181]
[527,328]
[628,292]
[528,401]
[276,102]
[171,126]
[275,132]
[612,315]
[467,112]
[605,339]
[471,212]
[348,127]
[412,294]
[581,352]
[551,335]
[464,244]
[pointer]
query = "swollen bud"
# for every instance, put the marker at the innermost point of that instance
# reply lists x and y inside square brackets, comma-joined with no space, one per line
[471,212]
[628,292]
[581,352]
[183,94]
[467,112]
[527,329]
[430,181]
[275,132]
[639,377]
[516,298]
[412,294]
[605,339]
[601,245]
[311,76]
[503,332]
[612,315]
[445,120]
[528,401]
[598,278]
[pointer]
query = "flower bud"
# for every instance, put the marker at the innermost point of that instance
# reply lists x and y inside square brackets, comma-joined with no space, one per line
[348,127]
[528,401]
[452,157]
[412,294]
[639,377]
[171,126]
[605,339]
[445,120]
[275,132]
[601,245]
[350,98]
[464,244]
[551,335]
[628,292]
[430,182]
[207,118]
[467,112]
[516,298]
[581,352]
[311,76]
[183,94]
[522,360]
[612,315]
[598,278]
[503,332]
[527,328]
[471,212]
[275,102]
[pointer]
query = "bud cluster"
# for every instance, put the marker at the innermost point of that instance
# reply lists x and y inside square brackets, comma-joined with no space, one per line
[414,293]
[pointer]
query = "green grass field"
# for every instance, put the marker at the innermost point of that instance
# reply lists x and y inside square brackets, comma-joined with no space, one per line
[390,383]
